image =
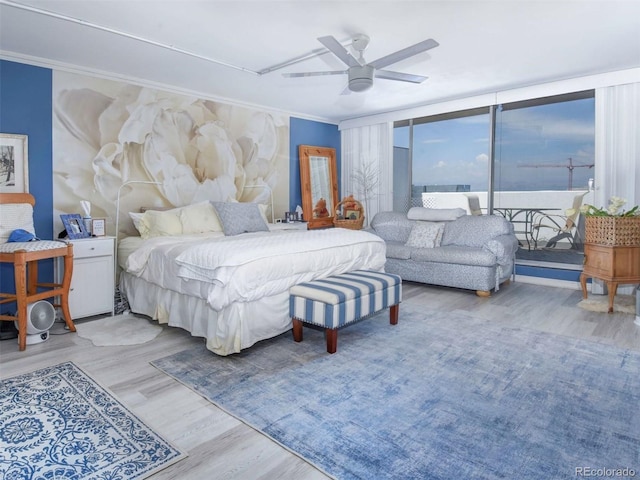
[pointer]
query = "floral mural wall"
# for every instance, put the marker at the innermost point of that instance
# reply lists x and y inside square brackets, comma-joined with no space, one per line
[106,133]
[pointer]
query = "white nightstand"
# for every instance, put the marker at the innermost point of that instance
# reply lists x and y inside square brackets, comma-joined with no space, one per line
[92,283]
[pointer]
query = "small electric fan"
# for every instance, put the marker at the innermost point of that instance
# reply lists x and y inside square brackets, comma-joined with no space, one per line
[40,318]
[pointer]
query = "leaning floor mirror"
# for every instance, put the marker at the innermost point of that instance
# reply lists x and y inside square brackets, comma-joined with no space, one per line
[319,185]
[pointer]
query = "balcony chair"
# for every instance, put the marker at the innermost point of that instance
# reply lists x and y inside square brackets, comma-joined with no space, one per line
[473,204]
[565,226]
[16,212]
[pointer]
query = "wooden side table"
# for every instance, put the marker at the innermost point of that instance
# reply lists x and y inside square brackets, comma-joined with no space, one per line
[613,264]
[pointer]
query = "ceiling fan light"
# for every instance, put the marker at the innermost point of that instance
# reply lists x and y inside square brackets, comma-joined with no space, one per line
[360,78]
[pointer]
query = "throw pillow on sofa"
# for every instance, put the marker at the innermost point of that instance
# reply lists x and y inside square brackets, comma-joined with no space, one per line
[425,235]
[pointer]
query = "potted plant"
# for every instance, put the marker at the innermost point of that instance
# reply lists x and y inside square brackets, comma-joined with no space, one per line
[612,225]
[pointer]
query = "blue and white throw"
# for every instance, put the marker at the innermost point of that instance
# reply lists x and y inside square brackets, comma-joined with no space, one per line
[58,423]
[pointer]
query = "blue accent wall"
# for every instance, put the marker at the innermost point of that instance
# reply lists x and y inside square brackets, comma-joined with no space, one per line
[308,132]
[25,109]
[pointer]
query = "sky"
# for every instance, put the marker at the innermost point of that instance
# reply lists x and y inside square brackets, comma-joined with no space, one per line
[533,147]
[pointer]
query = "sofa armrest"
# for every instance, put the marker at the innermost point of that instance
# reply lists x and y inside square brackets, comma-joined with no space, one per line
[504,247]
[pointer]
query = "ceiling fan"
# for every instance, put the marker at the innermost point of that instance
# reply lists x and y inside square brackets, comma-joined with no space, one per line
[360,72]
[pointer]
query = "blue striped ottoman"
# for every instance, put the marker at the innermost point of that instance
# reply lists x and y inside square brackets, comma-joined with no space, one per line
[337,301]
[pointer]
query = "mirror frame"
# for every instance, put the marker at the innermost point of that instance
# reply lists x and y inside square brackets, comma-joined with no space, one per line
[305,152]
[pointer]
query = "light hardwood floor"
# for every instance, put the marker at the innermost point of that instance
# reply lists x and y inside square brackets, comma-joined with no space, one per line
[220,446]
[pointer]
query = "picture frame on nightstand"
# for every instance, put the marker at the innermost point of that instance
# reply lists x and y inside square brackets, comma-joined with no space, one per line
[98,227]
[74,226]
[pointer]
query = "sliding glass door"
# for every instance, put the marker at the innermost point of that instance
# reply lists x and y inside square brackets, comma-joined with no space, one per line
[538,173]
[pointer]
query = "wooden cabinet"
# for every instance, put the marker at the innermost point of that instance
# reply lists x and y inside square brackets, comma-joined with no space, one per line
[613,264]
[92,283]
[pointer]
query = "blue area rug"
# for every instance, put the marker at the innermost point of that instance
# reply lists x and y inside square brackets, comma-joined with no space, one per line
[58,423]
[438,396]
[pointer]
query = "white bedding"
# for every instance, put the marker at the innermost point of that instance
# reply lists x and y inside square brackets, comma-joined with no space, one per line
[227,271]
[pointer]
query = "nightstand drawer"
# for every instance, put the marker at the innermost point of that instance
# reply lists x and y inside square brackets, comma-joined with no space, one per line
[92,247]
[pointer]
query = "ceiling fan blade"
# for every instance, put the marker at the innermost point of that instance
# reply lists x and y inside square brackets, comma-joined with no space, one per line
[403,77]
[313,74]
[404,53]
[339,51]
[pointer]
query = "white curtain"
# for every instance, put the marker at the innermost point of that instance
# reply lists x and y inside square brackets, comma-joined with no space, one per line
[367,167]
[617,155]
[617,170]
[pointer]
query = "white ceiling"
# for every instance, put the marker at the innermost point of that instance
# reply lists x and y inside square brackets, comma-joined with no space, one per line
[485,46]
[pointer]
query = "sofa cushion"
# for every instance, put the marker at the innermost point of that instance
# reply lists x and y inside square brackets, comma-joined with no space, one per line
[456,255]
[425,235]
[475,230]
[398,250]
[392,226]
[435,214]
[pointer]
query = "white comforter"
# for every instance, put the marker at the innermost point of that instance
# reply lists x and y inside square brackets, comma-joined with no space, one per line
[251,266]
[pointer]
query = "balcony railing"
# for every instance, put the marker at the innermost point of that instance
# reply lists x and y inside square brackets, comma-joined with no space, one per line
[526,209]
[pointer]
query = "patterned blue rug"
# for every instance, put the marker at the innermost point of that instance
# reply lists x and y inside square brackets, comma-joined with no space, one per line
[438,396]
[57,423]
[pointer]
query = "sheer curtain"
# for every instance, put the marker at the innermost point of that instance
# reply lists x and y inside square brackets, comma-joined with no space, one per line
[617,170]
[367,167]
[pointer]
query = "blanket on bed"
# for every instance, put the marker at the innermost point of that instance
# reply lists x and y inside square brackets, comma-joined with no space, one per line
[248,267]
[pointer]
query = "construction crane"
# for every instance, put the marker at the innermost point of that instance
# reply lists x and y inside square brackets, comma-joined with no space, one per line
[570,166]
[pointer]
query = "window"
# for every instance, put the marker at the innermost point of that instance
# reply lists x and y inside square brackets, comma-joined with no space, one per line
[545,144]
[448,153]
[543,158]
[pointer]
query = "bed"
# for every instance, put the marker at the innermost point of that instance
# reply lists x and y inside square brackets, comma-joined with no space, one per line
[233,289]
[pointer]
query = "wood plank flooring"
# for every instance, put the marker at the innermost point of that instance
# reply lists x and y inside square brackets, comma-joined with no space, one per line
[222,447]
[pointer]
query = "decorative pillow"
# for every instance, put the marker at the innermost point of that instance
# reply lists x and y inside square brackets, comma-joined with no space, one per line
[237,218]
[199,218]
[435,214]
[425,235]
[263,208]
[159,224]
[15,216]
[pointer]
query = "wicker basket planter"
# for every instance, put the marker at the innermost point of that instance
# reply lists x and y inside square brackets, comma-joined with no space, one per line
[616,231]
[353,224]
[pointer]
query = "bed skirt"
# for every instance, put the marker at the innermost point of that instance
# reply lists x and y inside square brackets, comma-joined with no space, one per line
[227,331]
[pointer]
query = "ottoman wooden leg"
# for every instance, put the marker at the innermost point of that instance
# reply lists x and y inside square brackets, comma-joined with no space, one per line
[297,330]
[332,339]
[393,314]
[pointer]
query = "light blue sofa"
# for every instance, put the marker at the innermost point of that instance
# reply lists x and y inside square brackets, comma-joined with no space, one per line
[475,252]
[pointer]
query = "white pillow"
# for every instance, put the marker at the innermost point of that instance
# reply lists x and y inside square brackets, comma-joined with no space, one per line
[14,216]
[425,235]
[435,214]
[136,218]
[263,211]
[199,218]
[159,224]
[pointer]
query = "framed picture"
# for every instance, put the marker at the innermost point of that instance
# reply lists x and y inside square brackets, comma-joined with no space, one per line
[74,226]
[14,163]
[98,227]
[352,214]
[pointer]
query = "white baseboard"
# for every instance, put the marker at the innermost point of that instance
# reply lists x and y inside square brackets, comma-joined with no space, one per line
[548,282]
[596,288]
